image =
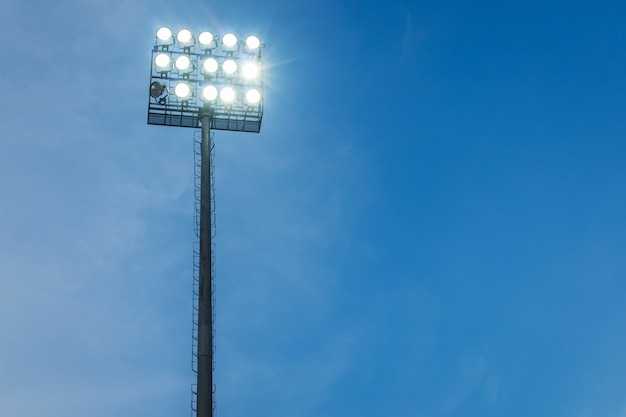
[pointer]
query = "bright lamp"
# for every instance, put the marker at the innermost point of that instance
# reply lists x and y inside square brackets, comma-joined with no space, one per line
[252,42]
[229,66]
[162,61]
[183,63]
[210,65]
[182,90]
[250,70]
[205,39]
[164,34]
[209,93]
[228,95]
[229,40]
[184,36]
[253,96]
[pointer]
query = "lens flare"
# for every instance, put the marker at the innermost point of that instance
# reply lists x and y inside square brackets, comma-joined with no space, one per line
[250,70]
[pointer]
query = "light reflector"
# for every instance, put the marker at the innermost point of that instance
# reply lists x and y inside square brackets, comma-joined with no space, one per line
[156,89]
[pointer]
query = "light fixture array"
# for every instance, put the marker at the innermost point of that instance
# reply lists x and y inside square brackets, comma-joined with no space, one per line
[221,75]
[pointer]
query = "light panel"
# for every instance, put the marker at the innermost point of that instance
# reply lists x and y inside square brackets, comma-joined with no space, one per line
[206,70]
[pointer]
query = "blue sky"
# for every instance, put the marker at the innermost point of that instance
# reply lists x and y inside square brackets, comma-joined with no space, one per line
[431,222]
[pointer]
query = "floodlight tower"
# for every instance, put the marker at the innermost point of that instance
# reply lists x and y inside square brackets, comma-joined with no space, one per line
[209,82]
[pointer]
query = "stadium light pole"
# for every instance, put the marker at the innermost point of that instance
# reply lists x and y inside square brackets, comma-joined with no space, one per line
[209,82]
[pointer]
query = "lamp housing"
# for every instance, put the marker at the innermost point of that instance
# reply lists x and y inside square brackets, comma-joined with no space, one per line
[221,75]
[164,37]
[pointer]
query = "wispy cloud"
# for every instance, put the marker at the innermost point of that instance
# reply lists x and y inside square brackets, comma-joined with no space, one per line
[473,378]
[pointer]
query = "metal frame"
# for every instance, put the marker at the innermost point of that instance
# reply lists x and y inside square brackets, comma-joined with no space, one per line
[169,110]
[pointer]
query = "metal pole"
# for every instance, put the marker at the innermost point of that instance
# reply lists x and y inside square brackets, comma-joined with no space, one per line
[205,298]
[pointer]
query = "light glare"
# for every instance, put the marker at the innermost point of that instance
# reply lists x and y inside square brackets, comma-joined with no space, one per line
[210,65]
[229,66]
[209,93]
[253,96]
[184,36]
[250,70]
[162,60]
[205,38]
[227,94]
[182,90]
[183,62]
[164,33]
[229,40]
[252,42]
